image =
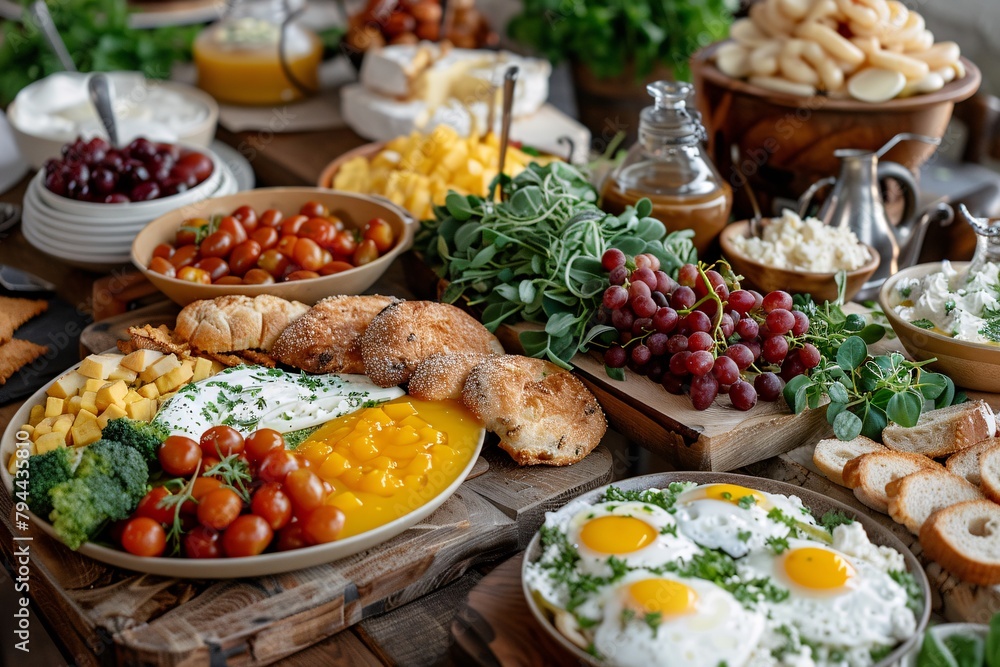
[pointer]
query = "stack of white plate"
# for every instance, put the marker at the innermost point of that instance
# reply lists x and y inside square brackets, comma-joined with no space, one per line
[99,236]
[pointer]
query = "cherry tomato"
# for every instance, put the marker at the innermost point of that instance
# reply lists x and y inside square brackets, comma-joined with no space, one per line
[270,218]
[273,505]
[344,244]
[216,266]
[379,231]
[307,254]
[186,255]
[324,524]
[217,244]
[275,465]
[164,250]
[209,462]
[273,262]
[201,486]
[313,209]
[286,245]
[292,536]
[179,456]
[194,275]
[327,257]
[229,280]
[301,275]
[221,441]
[291,226]
[261,441]
[203,542]
[160,265]
[257,277]
[338,224]
[248,535]
[199,164]
[235,228]
[305,488]
[244,256]
[149,506]
[267,237]
[366,252]
[319,230]
[187,233]
[219,508]
[334,267]
[143,536]
[247,216]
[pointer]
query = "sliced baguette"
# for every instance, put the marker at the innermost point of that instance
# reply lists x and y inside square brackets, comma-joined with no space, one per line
[989,474]
[966,462]
[831,455]
[912,499]
[869,474]
[944,431]
[965,540]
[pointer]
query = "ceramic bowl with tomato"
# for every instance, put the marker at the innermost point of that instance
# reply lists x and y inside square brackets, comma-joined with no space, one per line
[301,244]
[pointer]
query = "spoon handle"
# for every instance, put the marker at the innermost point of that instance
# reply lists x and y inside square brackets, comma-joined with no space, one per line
[509,79]
[43,19]
[100,95]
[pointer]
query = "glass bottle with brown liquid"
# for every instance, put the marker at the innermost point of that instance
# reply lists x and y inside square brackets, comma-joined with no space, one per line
[669,167]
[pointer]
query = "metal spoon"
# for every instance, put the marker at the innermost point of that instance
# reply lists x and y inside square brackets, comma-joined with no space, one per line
[509,80]
[100,95]
[43,19]
[734,154]
[9,215]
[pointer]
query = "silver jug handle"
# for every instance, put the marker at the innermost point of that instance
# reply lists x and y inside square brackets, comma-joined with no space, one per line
[887,169]
[806,199]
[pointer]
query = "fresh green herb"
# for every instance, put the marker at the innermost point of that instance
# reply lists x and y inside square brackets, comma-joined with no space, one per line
[664,499]
[880,653]
[834,518]
[233,472]
[744,535]
[993,642]
[627,615]
[775,514]
[585,622]
[653,619]
[669,530]
[720,569]
[746,502]
[905,291]
[968,650]
[725,495]
[778,544]
[949,306]
[914,595]
[592,650]
[923,323]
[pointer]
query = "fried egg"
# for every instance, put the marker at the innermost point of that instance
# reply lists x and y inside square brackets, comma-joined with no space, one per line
[833,599]
[652,620]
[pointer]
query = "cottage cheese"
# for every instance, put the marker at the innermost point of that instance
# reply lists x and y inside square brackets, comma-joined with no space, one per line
[789,242]
[956,303]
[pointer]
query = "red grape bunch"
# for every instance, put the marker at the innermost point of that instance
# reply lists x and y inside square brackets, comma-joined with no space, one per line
[700,334]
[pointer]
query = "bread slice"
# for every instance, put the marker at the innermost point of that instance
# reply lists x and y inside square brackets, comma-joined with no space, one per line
[869,474]
[966,462]
[965,540]
[235,322]
[912,499]
[442,376]
[944,431]
[832,454]
[989,474]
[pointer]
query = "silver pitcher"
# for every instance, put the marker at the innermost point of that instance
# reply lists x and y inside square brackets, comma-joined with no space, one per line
[856,203]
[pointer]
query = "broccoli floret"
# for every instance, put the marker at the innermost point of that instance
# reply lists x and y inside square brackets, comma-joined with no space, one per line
[108,484]
[144,437]
[46,471]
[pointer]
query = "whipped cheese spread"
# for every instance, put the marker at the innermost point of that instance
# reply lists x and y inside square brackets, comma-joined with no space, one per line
[789,242]
[956,303]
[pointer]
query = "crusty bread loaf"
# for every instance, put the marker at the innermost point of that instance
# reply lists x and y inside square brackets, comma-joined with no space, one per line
[327,339]
[235,322]
[965,463]
[831,455]
[989,474]
[944,431]
[442,376]
[912,499]
[407,332]
[965,540]
[869,474]
[542,413]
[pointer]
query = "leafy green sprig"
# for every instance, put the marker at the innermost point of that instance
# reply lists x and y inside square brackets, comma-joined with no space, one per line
[233,472]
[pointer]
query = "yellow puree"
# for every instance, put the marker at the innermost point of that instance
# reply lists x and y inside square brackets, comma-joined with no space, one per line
[387,461]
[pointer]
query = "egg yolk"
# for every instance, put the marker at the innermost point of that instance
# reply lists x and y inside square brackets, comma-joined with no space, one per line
[819,569]
[731,493]
[662,596]
[617,534]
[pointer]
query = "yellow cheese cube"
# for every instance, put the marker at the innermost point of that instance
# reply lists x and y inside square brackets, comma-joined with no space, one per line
[122,373]
[94,385]
[12,462]
[143,410]
[36,415]
[163,399]
[73,404]
[43,427]
[202,369]
[161,366]
[100,366]
[53,406]
[114,411]
[111,394]
[217,367]
[140,360]
[62,424]
[88,402]
[28,428]
[85,433]
[50,441]
[84,416]
[148,391]
[174,379]
[131,397]
[68,385]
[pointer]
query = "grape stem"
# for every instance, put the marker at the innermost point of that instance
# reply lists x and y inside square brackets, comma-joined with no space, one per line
[717,318]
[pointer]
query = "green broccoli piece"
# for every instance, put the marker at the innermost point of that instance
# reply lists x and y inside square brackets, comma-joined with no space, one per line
[46,471]
[144,437]
[107,486]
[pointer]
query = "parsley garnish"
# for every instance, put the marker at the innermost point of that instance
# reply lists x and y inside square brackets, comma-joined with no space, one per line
[909,583]
[663,499]
[748,501]
[949,306]
[879,653]
[905,291]
[778,544]
[778,516]
[744,535]
[669,530]
[923,323]
[653,619]
[833,518]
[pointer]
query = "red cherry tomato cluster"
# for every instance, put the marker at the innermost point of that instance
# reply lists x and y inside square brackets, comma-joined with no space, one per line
[245,248]
[285,511]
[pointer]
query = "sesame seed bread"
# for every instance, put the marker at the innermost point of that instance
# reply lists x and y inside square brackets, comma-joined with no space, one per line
[912,499]
[989,474]
[831,455]
[964,539]
[442,376]
[236,322]
[944,431]
[869,474]
[965,463]
[407,332]
[542,413]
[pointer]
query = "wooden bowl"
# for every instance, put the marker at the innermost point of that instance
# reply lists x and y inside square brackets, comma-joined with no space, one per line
[354,209]
[970,365]
[821,286]
[330,171]
[786,142]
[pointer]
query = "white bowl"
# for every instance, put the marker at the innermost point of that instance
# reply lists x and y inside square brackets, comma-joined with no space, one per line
[941,632]
[82,259]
